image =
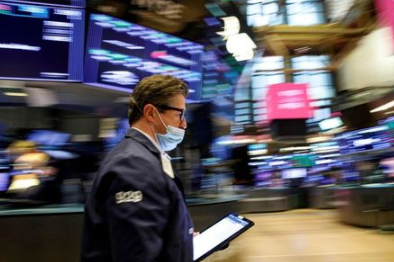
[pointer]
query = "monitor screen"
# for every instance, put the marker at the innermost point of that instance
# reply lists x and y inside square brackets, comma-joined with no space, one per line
[287,101]
[219,80]
[120,53]
[73,3]
[294,173]
[372,138]
[303,160]
[330,123]
[41,42]
[48,138]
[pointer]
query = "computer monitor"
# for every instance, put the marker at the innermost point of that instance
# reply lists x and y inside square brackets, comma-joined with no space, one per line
[330,123]
[120,53]
[41,42]
[363,140]
[63,3]
[294,173]
[48,138]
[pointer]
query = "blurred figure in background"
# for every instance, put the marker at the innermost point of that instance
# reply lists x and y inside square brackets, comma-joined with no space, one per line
[34,180]
[136,209]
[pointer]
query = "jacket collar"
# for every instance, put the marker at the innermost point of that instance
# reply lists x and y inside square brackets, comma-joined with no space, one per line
[142,139]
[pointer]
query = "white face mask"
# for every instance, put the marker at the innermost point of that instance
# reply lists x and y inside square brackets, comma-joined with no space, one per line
[172,138]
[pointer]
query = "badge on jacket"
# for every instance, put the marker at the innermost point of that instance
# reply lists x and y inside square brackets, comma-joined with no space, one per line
[128,196]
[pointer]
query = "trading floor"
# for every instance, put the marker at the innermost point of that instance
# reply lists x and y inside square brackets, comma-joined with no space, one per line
[307,235]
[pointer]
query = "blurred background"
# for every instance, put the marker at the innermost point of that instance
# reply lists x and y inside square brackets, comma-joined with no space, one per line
[283,93]
[291,103]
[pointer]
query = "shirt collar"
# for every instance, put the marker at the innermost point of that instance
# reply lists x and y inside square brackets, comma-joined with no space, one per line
[152,140]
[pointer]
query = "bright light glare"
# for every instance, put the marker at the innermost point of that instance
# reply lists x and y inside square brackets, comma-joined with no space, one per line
[383,107]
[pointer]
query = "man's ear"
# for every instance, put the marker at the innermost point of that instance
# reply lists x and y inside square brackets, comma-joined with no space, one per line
[149,112]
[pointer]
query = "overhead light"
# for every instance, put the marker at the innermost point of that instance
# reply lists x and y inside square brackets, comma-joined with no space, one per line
[302,50]
[241,46]
[231,27]
[383,107]
[15,94]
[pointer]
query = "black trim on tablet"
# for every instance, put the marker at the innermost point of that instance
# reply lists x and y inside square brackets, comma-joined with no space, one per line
[230,226]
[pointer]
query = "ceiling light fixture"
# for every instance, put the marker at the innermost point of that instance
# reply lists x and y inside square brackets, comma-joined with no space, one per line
[15,94]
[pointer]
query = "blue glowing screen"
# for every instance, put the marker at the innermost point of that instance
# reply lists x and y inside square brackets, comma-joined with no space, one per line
[41,42]
[120,53]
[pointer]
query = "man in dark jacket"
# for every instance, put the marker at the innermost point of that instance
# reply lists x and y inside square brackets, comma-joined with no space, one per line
[136,211]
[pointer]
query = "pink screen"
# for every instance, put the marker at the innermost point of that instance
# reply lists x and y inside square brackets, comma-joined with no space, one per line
[288,101]
[385,10]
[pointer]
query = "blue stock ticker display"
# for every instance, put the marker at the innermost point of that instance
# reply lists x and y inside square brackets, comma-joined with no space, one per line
[120,53]
[364,140]
[68,3]
[41,42]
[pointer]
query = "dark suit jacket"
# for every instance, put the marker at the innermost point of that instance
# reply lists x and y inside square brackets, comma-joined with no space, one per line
[136,212]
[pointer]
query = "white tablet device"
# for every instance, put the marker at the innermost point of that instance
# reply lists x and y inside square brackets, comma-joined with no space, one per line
[219,234]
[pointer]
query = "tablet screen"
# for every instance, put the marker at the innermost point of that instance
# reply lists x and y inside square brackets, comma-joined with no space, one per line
[218,234]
